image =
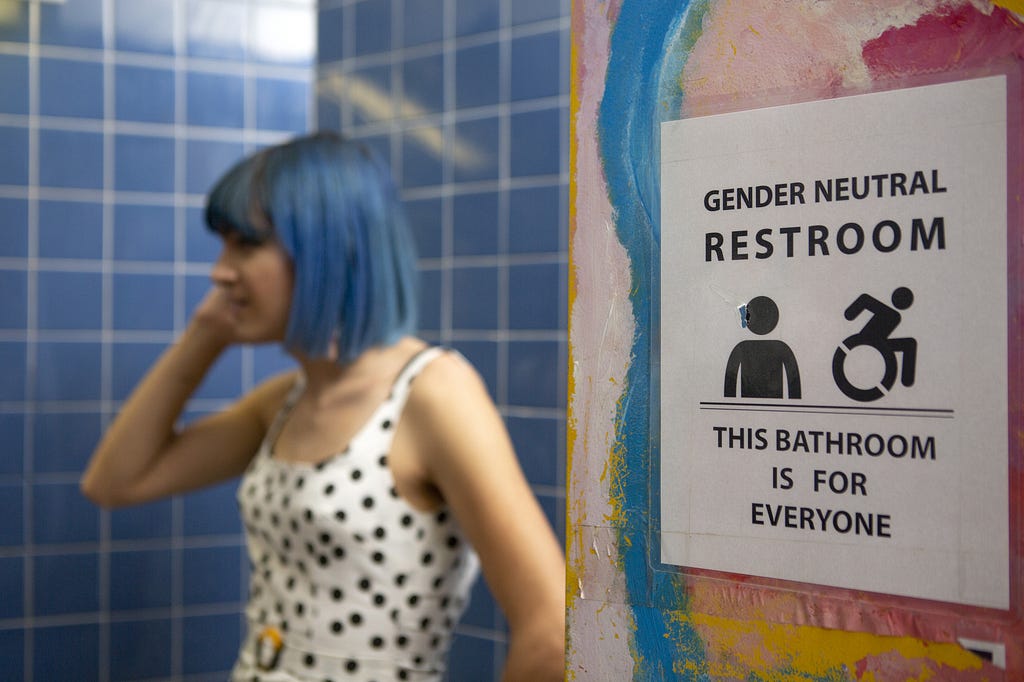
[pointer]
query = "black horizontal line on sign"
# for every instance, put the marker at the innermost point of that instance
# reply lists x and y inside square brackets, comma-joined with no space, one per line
[935,413]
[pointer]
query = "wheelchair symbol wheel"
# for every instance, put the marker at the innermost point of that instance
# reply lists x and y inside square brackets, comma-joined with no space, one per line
[863,395]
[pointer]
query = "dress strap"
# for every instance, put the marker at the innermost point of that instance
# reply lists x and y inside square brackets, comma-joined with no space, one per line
[282,414]
[400,389]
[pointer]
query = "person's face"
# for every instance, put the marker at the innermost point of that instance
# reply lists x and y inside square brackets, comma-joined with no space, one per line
[257,281]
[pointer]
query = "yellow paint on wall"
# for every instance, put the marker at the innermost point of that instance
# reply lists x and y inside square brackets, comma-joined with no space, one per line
[735,648]
[1015,6]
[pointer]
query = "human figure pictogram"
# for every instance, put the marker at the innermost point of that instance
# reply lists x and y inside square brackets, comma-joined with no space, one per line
[876,334]
[763,368]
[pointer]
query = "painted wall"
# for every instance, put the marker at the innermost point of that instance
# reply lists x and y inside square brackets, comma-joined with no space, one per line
[114,118]
[638,63]
[468,100]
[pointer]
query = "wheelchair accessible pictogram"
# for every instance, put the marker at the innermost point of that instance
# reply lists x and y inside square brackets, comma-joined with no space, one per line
[876,334]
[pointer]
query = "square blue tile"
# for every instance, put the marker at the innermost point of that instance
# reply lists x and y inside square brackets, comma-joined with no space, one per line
[142,522]
[140,580]
[14,227]
[270,359]
[224,381]
[68,371]
[216,29]
[282,33]
[215,100]
[13,299]
[73,23]
[12,435]
[79,647]
[139,650]
[483,355]
[12,363]
[282,104]
[330,28]
[536,220]
[70,229]
[67,583]
[471,658]
[422,85]
[62,515]
[423,22]
[537,444]
[554,509]
[211,575]
[378,144]
[477,76]
[328,109]
[536,70]
[144,94]
[201,245]
[12,586]
[534,371]
[206,161]
[15,28]
[70,300]
[144,164]
[211,642]
[477,16]
[526,11]
[13,156]
[482,611]
[478,141]
[536,142]
[13,84]
[373,26]
[64,441]
[144,26]
[475,221]
[426,224]
[429,300]
[71,88]
[535,296]
[475,298]
[11,515]
[377,105]
[421,164]
[144,302]
[70,159]
[130,363]
[143,232]
[212,511]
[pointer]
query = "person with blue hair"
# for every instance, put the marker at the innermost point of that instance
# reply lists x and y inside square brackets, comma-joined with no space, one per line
[377,478]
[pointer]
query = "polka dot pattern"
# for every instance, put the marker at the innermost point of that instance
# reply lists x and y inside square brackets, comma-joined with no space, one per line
[362,585]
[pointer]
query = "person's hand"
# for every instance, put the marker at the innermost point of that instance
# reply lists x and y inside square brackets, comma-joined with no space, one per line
[216,318]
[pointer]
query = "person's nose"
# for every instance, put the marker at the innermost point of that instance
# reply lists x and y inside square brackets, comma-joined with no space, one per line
[223,273]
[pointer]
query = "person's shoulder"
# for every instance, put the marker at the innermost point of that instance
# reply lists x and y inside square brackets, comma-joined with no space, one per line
[269,396]
[446,385]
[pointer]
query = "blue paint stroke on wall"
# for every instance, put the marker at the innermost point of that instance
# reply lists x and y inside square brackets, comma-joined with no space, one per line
[649,44]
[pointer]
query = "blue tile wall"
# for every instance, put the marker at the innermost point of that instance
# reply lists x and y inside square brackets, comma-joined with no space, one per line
[477,137]
[138,106]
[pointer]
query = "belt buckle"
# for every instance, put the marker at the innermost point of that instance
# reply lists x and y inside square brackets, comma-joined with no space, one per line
[268,648]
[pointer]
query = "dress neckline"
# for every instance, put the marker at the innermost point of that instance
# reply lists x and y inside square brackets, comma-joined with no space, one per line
[399,389]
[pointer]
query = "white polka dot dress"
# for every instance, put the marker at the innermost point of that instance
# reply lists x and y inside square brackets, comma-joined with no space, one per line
[353,582]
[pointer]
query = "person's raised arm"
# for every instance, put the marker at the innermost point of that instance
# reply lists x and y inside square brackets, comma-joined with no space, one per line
[471,461]
[142,457]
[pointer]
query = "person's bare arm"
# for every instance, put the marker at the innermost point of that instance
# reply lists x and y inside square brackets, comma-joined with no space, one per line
[471,461]
[142,457]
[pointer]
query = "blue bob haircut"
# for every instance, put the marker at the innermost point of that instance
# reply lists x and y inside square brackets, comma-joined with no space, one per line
[332,205]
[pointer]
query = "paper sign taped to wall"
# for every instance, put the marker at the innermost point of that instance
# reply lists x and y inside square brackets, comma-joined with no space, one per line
[834,343]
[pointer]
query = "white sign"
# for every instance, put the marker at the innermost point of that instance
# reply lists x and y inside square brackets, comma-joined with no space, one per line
[834,343]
